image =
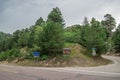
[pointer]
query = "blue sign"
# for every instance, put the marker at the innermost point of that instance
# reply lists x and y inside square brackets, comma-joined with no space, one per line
[36,54]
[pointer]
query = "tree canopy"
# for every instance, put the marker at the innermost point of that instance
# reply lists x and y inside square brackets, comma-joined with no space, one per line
[50,36]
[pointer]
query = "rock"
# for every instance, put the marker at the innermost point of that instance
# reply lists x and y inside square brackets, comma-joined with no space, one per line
[58,63]
[64,63]
[53,59]
[21,59]
[46,64]
[16,60]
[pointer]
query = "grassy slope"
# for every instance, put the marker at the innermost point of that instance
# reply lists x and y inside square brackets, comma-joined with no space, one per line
[79,59]
[76,58]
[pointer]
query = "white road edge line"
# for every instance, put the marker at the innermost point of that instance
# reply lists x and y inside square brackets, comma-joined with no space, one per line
[68,70]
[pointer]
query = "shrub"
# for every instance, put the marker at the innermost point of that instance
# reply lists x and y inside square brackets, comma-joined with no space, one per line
[10,54]
[44,57]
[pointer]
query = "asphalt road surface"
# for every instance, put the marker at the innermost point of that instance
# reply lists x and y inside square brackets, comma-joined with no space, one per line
[108,72]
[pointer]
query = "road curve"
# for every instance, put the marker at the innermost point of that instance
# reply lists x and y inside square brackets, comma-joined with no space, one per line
[106,72]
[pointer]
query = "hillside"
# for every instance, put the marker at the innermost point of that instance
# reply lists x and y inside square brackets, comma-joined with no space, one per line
[76,58]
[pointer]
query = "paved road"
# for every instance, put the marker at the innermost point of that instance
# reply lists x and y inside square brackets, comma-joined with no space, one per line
[109,72]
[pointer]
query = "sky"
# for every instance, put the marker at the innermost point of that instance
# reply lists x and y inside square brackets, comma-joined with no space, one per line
[19,14]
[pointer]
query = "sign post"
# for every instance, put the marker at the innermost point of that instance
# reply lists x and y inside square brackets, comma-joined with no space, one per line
[66,51]
[93,52]
[36,56]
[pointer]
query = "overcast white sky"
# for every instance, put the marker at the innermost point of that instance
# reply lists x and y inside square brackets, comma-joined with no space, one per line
[19,14]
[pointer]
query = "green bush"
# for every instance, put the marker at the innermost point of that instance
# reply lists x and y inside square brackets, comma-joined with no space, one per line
[3,56]
[116,40]
[94,36]
[10,54]
[67,57]
[14,53]
[30,56]
[44,57]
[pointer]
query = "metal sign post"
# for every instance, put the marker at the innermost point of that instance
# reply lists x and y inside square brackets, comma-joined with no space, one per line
[36,56]
[93,52]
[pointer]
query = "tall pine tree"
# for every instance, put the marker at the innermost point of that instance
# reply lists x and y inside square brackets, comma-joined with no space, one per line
[52,36]
[116,39]
[109,22]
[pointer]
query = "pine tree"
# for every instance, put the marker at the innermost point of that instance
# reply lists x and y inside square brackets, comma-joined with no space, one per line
[109,23]
[40,22]
[116,39]
[94,36]
[56,16]
[85,22]
[52,36]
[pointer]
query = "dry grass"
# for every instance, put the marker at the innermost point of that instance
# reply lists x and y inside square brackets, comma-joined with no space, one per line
[76,58]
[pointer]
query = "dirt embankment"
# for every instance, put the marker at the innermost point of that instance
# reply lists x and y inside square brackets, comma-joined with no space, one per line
[76,58]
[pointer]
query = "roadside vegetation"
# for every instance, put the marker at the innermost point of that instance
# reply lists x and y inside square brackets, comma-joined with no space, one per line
[51,36]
